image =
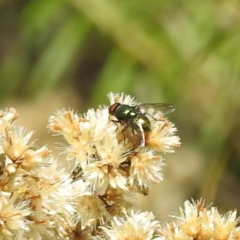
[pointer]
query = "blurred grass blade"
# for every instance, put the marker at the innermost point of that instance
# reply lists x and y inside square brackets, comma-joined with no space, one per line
[116,76]
[128,35]
[39,16]
[59,54]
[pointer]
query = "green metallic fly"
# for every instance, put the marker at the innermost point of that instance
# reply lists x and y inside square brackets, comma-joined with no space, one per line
[136,116]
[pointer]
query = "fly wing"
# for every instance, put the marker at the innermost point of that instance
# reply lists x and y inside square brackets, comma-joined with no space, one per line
[165,108]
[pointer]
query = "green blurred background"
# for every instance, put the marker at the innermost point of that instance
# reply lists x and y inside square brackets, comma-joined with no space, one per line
[58,54]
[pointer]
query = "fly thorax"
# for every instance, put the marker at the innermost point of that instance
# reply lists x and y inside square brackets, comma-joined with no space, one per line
[125,112]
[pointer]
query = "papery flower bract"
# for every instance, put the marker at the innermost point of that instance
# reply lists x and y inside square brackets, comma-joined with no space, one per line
[122,98]
[172,231]
[35,159]
[7,117]
[15,142]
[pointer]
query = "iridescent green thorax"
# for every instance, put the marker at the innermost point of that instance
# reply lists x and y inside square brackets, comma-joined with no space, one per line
[125,112]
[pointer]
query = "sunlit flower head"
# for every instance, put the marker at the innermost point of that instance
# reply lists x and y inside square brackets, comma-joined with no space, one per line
[145,170]
[140,226]
[198,222]
[162,137]
[92,211]
[14,215]
[89,190]
[15,141]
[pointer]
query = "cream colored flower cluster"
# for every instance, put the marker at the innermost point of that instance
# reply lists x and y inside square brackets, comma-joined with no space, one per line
[196,222]
[88,191]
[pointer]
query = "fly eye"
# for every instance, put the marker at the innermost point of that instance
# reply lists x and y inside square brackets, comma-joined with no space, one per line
[112,108]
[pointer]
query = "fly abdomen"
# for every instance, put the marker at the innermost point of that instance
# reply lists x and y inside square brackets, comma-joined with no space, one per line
[141,120]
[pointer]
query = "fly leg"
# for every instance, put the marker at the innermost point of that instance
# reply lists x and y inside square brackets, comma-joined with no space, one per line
[124,136]
[116,123]
[125,127]
[143,136]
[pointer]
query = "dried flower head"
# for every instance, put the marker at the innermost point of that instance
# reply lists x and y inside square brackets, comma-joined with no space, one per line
[133,225]
[199,222]
[88,191]
[108,155]
[94,185]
